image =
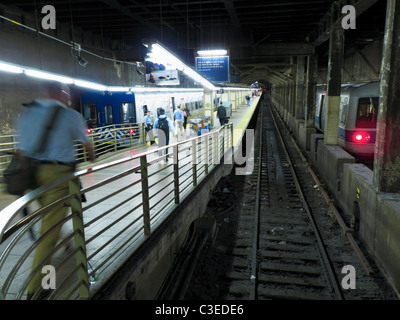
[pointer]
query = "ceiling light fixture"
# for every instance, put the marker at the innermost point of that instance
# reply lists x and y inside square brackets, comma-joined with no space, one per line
[219,52]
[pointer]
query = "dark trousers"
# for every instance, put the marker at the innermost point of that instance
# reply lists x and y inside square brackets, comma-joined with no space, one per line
[222,121]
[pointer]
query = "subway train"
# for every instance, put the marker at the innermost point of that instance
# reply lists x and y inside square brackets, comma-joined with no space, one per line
[359,105]
[114,116]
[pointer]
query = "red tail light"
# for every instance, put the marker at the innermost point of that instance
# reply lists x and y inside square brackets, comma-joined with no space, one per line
[131,131]
[361,137]
[89,131]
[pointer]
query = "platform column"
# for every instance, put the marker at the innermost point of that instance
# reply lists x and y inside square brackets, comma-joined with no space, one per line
[209,106]
[300,87]
[387,149]
[334,80]
[311,90]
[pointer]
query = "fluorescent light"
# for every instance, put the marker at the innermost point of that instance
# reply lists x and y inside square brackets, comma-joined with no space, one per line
[90,85]
[48,76]
[10,68]
[219,52]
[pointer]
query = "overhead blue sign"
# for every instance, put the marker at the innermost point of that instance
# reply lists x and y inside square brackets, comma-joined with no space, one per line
[215,68]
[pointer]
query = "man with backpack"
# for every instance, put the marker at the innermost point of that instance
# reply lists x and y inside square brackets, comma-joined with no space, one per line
[162,126]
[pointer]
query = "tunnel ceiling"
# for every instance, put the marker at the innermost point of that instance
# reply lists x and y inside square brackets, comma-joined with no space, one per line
[261,36]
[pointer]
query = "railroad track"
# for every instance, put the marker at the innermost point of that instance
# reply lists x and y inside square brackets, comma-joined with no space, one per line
[288,244]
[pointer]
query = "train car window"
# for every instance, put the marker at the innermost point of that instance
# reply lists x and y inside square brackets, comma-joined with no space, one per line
[108,115]
[89,112]
[367,113]
[344,108]
[127,112]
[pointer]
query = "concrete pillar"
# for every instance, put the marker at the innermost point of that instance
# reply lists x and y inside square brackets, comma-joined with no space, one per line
[292,96]
[387,149]
[311,90]
[300,74]
[209,105]
[334,80]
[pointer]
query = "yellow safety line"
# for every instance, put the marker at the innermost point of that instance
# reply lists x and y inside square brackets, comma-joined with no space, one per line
[242,125]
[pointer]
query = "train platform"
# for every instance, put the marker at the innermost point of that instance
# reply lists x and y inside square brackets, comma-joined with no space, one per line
[129,194]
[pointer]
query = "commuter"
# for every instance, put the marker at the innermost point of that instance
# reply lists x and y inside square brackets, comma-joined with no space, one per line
[186,115]
[163,125]
[221,114]
[57,159]
[179,118]
[248,100]
[148,126]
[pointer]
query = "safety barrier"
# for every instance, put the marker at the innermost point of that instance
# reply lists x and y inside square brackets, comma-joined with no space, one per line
[127,200]
[104,140]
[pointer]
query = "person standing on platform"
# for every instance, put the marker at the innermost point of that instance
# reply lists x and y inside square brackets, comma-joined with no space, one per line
[148,126]
[186,115]
[55,160]
[248,100]
[179,118]
[163,125]
[221,114]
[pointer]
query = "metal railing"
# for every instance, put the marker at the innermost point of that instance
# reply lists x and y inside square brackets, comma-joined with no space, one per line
[104,140]
[127,200]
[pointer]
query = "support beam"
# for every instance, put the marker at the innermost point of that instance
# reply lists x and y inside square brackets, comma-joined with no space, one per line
[387,150]
[311,90]
[301,64]
[334,79]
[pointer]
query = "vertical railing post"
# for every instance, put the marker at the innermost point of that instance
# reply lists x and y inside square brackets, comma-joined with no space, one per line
[206,154]
[194,161]
[115,138]
[176,173]
[223,141]
[79,238]
[130,136]
[232,146]
[144,135]
[93,145]
[145,195]
[216,158]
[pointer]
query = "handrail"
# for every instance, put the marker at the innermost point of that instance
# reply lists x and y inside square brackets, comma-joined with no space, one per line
[118,218]
[101,146]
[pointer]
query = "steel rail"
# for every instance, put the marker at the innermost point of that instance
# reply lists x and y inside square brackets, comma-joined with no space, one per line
[256,228]
[346,230]
[324,255]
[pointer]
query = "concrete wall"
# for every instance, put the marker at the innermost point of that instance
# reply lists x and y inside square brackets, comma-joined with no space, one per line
[379,218]
[146,271]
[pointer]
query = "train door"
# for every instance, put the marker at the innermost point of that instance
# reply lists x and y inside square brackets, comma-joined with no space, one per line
[127,112]
[108,115]
[89,110]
